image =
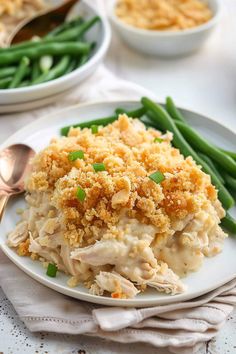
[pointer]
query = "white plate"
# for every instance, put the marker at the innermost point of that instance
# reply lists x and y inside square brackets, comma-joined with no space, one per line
[215,271]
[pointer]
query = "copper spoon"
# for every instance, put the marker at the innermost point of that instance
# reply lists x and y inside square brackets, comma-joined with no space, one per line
[41,23]
[14,166]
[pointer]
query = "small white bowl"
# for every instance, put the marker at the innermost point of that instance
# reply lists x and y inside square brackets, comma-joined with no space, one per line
[100,33]
[166,43]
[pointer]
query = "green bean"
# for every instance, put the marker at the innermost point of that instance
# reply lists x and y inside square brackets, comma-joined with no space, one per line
[137,113]
[74,33]
[230,181]
[43,49]
[83,59]
[229,153]
[196,139]
[64,26]
[160,116]
[148,120]
[75,64]
[55,72]
[229,223]
[207,148]
[175,114]
[20,73]
[8,71]
[120,111]
[5,82]
[69,35]
[72,65]
[22,45]
[35,70]
[100,121]
[148,123]
[24,83]
[173,110]
[212,166]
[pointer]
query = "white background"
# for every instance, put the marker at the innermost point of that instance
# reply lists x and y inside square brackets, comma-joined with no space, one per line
[204,82]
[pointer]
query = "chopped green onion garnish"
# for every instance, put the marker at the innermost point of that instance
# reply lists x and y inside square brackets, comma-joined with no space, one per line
[74,155]
[99,167]
[51,270]
[45,63]
[158,140]
[94,129]
[80,194]
[157,177]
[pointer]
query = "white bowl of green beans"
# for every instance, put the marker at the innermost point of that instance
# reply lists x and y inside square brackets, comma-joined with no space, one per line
[48,66]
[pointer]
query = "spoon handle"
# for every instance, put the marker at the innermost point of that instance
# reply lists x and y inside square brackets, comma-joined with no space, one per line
[3,202]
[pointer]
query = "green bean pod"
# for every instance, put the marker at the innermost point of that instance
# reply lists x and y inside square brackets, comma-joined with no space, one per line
[35,70]
[24,83]
[55,72]
[5,82]
[64,26]
[173,110]
[229,153]
[74,33]
[20,73]
[149,124]
[120,111]
[8,71]
[83,60]
[175,114]
[229,223]
[230,181]
[69,35]
[72,66]
[207,148]
[212,166]
[162,118]
[45,49]
[137,113]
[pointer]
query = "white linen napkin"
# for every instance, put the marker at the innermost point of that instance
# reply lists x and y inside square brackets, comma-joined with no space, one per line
[181,327]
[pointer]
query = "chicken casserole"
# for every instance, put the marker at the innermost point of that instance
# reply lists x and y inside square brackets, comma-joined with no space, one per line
[103,219]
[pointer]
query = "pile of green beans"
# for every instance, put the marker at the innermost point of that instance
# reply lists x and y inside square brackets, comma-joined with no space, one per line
[44,59]
[216,162]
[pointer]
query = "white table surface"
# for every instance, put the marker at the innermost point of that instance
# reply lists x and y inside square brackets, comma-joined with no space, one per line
[204,82]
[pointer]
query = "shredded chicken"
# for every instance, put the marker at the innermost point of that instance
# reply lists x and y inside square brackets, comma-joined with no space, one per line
[114,283]
[18,235]
[131,257]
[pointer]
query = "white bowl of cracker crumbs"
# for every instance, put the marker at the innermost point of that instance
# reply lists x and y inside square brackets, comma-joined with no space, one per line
[165,28]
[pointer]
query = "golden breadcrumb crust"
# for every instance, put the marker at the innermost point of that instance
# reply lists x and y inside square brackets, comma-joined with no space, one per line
[130,155]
